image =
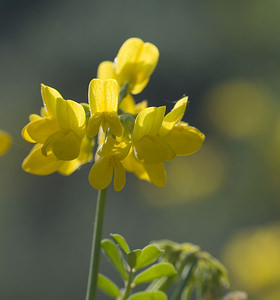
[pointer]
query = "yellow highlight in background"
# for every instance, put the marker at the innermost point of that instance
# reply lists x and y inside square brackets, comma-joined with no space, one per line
[5,142]
[253,260]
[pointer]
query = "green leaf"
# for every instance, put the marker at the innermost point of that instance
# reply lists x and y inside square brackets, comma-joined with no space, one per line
[113,254]
[121,242]
[132,257]
[149,255]
[148,296]
[107,286]
[154,272]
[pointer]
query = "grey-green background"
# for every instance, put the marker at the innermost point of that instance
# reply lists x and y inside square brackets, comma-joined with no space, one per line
[205,46]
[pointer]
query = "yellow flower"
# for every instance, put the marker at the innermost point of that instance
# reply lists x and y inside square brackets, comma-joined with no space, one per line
[133,65]
[110,154]
[103,102]
[5,142]
[38,164]
[61,127]
[157,138]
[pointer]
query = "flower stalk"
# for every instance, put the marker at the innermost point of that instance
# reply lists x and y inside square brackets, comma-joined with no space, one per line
[95,250]
[128,284]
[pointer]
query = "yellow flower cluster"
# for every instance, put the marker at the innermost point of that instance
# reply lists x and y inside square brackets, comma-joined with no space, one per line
[131,137]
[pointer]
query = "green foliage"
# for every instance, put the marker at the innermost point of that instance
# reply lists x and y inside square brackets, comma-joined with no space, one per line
[148,255]
[114,256]
[121,242]
[154,272]
[210,275]
[127,263]
[133,257]
[108,286]
[196,271]
[182,269]
[148,296]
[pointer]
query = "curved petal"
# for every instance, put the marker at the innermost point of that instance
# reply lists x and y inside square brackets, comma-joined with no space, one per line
[119,175]
[50,96]
[114,123]
[173,117]
[138,87]
[127,56]
[71,116]
[86,154]
[66,146]
[157,174]
[39,130]
[38,164]
[131,164]
[128,104]
[148,122]
[112,95]
[96,95]
[153,150]
[106,70]
[68,167]
[158,118]
[34,117]
[94,123]
[25,134]
[141,105]
[145,65]
[184,139]
[101,173]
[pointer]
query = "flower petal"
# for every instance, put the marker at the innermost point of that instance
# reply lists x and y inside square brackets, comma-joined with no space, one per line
[96,95]
[39,130]
[68,167]
[50,96]
[114,123]
[71,116]
[85,156]
[148,122]
[106,70]
[127,56]
[157,174]
[158,118]
[94,123]
[141,105]
[153,150]
[119,175]
[184,139]
[146,63]
[112,95]
[138,87]
[66,146]
[101,173]
[173,117]
[34,117]
[128,104]
[131,164]
[38,164]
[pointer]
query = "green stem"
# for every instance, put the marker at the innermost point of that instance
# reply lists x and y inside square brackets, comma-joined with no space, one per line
[181,286]
[95,250]
[128,285]
[123,92]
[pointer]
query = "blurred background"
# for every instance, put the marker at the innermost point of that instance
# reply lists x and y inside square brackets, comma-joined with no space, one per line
[225,56]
